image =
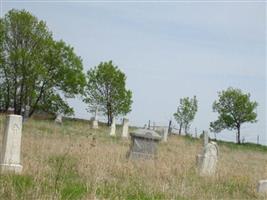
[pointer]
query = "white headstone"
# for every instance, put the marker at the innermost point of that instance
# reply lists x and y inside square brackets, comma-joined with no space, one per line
[208,160]
[262,186]
[95,124]
[165,134]
[59,119]
[125,128]
[95,120]
[10,154]
[113,127]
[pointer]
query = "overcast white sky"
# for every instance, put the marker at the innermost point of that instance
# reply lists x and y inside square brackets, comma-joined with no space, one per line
[168,51]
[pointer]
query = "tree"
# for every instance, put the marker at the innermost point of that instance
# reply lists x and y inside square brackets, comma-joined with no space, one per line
[186,112]
[105,89]
[35,70]
[234,108]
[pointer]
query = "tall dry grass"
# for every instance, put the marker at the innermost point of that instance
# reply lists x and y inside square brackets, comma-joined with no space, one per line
[73,161]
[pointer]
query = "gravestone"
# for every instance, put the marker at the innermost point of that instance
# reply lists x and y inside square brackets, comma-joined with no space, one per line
[113,128]
[165,134]
[207,161]
[144,144]
[26,113]
[95,120]
[125,128]
[262,187]
[58,119]
[10,154]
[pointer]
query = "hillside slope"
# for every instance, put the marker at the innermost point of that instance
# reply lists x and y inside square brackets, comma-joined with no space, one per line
[73,161]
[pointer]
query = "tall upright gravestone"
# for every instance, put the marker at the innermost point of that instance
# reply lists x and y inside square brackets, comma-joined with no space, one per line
[95,120]
[10,153]
[165,134]
[125,128]
[207,160]
[113,128]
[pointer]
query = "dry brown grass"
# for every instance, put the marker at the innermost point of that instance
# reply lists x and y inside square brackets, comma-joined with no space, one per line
[65,162]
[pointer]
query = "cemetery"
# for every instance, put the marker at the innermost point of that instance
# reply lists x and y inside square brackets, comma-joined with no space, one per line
[72,124]
[75,161]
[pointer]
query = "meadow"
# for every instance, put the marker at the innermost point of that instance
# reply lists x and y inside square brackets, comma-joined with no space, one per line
[73,161]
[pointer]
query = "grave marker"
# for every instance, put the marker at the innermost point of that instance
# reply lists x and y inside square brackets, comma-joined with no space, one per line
[125,128]
[11,145]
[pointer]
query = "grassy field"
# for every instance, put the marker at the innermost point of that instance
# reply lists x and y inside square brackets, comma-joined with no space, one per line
[73,161]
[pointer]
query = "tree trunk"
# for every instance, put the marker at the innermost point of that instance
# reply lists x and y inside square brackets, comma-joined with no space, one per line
[180,128]
[109,112]
[238,134]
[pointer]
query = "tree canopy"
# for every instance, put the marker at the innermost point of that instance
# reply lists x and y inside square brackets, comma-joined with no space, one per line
[186,112]
[106,90]
[36,70]
[234,108]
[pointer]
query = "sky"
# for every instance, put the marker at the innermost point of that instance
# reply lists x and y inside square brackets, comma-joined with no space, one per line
[168,50]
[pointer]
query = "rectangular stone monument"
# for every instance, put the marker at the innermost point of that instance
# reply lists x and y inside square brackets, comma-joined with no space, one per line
[262,187]
[113,128]
[26,113]
[95,120]
[207,161]
[144,144]
[125,128]
[11,145]
[165,134]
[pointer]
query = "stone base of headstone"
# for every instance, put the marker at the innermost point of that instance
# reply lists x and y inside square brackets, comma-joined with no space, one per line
[15,168]
[262,187]
[95,124]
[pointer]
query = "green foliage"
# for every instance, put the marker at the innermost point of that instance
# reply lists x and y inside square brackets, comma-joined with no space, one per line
[36,70]
[106,91]
[21,185]
[67,181]
[186,112]
[234,108]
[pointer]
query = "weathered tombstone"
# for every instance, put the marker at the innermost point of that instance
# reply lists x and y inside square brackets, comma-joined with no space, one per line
[165,134]
[10,154]
[125,128]
[207,161]
[26,113]
[58,118]
[113,128]
[262,187]
[144,144]
[95,120]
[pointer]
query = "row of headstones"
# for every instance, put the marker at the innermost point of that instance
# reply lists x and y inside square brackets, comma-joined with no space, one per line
[125,128]
[11,150]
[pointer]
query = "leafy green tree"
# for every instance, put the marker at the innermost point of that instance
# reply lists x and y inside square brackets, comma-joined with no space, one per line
[36,71]
[105,89]
[234,108]
[186,112]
